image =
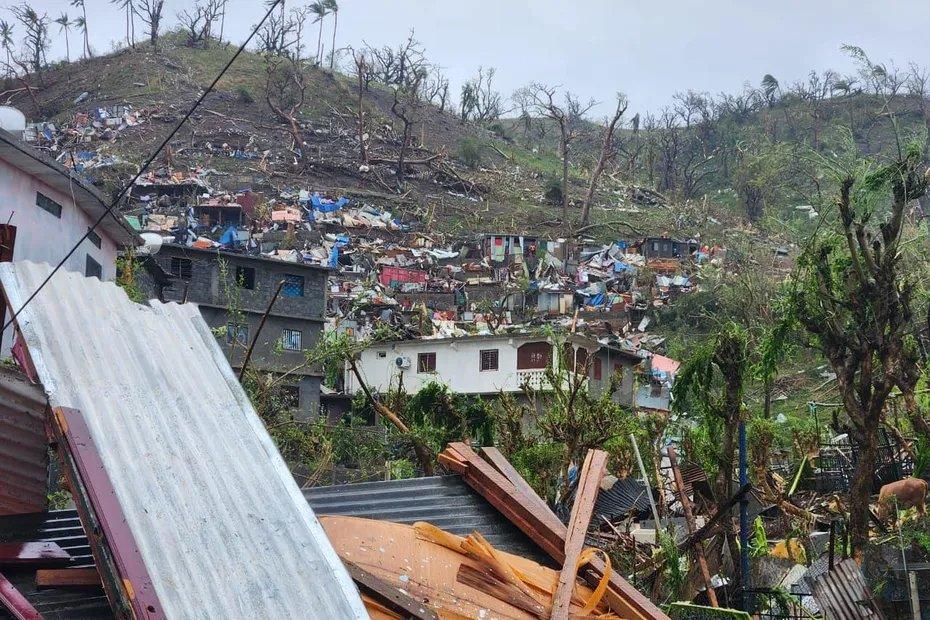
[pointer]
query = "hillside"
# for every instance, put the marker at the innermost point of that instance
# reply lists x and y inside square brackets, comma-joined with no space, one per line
[504,191]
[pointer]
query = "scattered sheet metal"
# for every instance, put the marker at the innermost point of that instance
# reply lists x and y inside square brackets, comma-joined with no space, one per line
[23,446]
[220,524]
[843,594]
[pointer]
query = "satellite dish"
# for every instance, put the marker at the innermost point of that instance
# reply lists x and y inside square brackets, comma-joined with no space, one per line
[152,243]
[12,120]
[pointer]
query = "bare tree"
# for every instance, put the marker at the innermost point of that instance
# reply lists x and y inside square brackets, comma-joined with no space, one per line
[275,36]
[407,108]
[436,89]
[150,12]
[609,151]
[541,100]
[479,101]
[361,71]
[35,40]
[399,66]
[285,93]
[197,21]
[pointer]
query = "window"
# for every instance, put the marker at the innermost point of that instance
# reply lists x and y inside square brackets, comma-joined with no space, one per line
[237,334]
[291,340]
[245,277]
[533,355]
[426,362]
[181,267]
[382,353]
[598,371]
[93,238]
[293,286]
[489,359]
[47,204]
[655,246]
[92,268]
[7,242]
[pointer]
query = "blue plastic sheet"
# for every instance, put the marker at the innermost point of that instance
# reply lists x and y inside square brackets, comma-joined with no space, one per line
[229,237]
[334,256]
[327,206]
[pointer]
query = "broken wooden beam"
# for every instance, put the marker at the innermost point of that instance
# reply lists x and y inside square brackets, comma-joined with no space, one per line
[689,520]
[68,578]
[595,464]
[534,518]
[32,554]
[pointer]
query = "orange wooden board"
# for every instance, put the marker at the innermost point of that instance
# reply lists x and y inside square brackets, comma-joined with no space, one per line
[428,571]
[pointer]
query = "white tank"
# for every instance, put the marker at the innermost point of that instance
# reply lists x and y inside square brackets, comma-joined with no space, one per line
[12,120]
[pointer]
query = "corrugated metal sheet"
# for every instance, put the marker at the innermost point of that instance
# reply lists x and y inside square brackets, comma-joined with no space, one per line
[220,524]
[445,501]
[64,528]
[23,446]
[843,594]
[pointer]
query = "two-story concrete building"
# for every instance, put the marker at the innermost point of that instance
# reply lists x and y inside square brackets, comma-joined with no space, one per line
[45,209]
[233,292]
[486,365]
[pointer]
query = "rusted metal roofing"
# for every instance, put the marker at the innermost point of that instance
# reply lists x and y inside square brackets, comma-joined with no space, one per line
[23,446]
[221,527]
[843,594]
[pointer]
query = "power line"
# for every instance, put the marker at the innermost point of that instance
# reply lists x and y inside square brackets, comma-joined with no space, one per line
[145,166]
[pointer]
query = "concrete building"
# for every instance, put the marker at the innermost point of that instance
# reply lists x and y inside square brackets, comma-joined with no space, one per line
[219,282]
[45,209]
[488,364]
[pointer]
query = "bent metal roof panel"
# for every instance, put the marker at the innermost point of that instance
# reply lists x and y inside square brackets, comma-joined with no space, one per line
[221,527]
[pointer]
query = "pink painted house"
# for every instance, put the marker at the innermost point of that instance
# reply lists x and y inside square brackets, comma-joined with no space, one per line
[45,209]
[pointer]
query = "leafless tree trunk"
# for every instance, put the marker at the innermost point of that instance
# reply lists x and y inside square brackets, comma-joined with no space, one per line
[608,153]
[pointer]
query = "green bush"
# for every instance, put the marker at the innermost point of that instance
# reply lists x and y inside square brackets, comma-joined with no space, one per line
[553,192]
[244,95]
[471,153]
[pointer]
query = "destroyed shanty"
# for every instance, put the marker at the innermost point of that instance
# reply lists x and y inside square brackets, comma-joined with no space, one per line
[297,325]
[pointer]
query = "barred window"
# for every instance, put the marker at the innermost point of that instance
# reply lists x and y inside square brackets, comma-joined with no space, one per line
[292,340]
[489,359]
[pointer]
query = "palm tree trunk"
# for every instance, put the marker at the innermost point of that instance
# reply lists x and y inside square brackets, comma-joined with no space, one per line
[222,21]
[319,44]
[332,52]
[67,47]
[127,24]
[86,37]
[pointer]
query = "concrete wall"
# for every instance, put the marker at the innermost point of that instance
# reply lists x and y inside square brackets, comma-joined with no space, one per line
[40,236]
[611,361]
[457,365]
[303,314]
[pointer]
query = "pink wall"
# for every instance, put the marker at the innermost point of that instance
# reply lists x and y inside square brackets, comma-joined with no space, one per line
[40,236]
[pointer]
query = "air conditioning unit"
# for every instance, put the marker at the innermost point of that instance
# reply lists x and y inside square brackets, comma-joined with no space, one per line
[402,362]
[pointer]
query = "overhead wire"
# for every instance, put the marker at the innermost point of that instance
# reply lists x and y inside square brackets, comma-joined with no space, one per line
[148,162]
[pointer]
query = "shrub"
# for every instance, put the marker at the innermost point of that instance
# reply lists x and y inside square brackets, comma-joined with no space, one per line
[471,152]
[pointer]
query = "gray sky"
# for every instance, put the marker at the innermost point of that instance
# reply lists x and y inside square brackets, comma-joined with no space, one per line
[649,50]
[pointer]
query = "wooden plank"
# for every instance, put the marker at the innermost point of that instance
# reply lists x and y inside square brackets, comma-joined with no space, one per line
[546,530]
[595,464]
[14,602]
[388,595]
[68,578]
[500,462]
[32,553]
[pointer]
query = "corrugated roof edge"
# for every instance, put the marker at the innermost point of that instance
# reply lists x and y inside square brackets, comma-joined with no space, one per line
[87,198]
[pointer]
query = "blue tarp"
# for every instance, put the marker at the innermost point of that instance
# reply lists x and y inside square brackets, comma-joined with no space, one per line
[229,237]
[327,206]
[334,256]
[618,267]
[597,300]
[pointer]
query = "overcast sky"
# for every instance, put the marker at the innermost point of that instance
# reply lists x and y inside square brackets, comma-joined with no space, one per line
[649,50]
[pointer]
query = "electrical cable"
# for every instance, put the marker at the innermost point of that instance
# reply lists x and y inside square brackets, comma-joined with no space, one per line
[274,4]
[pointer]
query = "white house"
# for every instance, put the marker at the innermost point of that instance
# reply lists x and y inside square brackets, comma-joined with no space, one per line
[45,209]
[485,364]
